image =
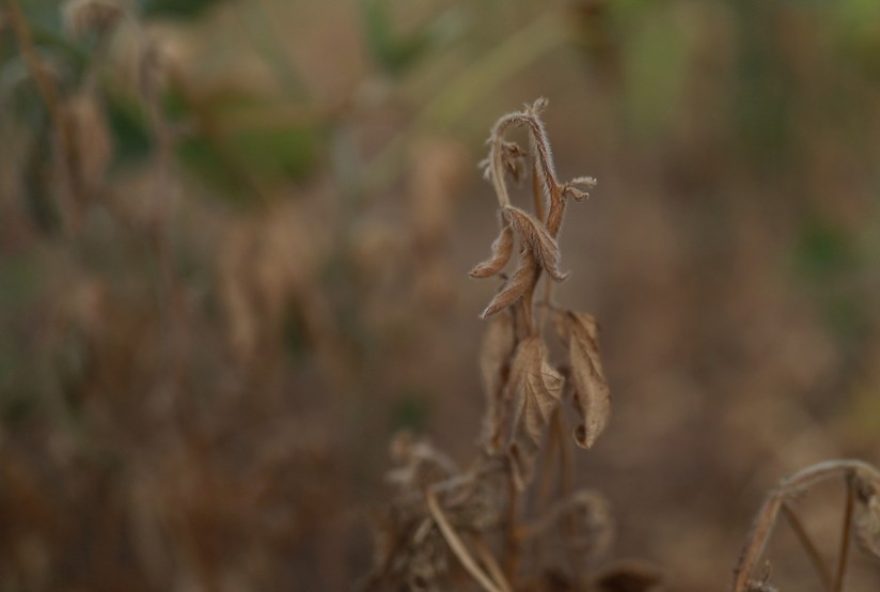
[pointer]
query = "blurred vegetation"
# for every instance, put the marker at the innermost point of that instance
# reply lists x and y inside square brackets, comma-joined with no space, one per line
[240,264]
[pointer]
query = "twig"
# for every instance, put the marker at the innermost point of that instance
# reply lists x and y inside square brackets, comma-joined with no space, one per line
[511,534]
[52,100]
[457,546]
[812,552]
[766,518]
[843,555]
[491,564]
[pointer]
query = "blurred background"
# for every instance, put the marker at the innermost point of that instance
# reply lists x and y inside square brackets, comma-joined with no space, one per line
[234,244]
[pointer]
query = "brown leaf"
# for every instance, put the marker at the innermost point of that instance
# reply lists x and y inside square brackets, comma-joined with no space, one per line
[501,250]
[515,287]
[535,235]
[591,391]
[867,520]
[537,389]
[495,352]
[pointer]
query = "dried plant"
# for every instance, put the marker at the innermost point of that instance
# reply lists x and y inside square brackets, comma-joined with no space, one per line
[861,514]
[443,516]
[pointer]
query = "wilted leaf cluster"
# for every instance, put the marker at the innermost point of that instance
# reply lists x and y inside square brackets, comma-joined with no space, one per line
[478,511]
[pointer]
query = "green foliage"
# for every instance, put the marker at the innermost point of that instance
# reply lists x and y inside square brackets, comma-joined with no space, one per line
[823,250]
[656,61]
[410,411]
[398,52]
[131,139]
[177,9]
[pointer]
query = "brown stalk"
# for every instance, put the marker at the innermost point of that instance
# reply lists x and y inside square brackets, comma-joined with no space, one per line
[766,518]
[809,547]
[52,100]
[843,554]
[488,559]
[457,546]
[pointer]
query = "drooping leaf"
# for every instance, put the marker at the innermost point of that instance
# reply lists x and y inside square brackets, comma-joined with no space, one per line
[501,250]
[515,287]
[867,517]
[592,395]
[537,390]
[533,233]
[495,352]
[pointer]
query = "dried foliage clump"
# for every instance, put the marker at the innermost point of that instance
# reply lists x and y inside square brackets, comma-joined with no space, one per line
[446,522]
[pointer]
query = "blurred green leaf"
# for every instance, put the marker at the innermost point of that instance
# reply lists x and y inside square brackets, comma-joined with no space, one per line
[275,152]
[823,250]
[178,9]
[410,411]
[394,51]
[656,57]
[131,138]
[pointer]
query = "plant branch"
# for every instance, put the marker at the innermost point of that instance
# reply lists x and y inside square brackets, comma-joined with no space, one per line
[765,520]
[458,548]
[809,547]
[843,555]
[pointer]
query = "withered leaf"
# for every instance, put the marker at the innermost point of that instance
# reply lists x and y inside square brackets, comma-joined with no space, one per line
[501,250]
[592,396]
[537,390]
[867,522]
[495,353]
[515,287]
[535,235]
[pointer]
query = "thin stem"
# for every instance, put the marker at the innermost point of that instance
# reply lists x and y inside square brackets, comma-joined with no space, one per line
[766,518]
[548,476]
[52,100]
[566,459]
[511,535]
[760,534]
[455,543]
[488,559]
[843,555]
[812,552]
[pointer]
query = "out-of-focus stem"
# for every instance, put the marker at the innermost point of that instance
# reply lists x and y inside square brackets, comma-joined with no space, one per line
[52,100]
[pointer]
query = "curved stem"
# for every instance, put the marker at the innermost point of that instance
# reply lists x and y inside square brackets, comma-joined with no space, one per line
[812,552]
[455,543]
[766,518]
[843,555]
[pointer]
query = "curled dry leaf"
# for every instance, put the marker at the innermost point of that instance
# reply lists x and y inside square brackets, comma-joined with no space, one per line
[537,389]
[577,188]
[501,250]
[867,519]
[512,159]
[495,352]
[591,392]
[418,463]
[516,287]
[534,234]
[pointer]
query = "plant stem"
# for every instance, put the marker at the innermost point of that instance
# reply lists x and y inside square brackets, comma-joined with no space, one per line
[455,543]
[843,555]
[68,158]
[812,552]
